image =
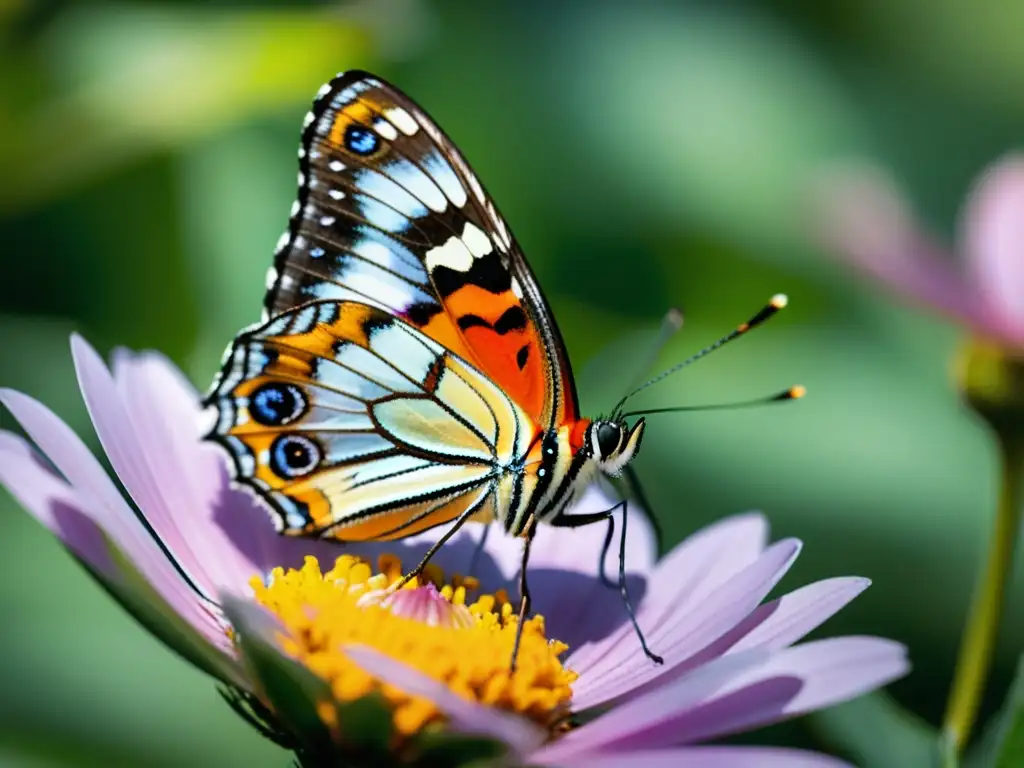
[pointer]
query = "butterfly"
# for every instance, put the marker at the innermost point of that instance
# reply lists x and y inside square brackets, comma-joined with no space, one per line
[408,372]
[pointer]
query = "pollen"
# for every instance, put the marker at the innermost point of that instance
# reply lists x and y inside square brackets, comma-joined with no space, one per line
[430,623]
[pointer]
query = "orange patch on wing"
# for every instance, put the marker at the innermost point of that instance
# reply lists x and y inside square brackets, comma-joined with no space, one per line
[513,359]
[356,113]
[442,330]
[386,526]
[259,443]
[317,507]
[578,433]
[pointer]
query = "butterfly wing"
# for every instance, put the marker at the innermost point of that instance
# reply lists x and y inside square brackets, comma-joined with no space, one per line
[355,425]
[390,214]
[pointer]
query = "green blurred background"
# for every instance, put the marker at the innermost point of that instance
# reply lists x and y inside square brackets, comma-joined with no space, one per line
[646,155]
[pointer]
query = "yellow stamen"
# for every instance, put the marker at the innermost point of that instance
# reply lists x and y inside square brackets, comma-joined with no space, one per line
[428,624]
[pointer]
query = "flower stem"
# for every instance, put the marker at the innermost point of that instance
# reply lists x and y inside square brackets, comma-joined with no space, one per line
[987,603]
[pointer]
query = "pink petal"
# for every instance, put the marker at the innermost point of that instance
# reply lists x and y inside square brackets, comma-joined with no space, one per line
[682,636]
[53,503]
[705,561]
[710,757]
[657,709]
[184,479]
[97,498]
[684,577]
[792,616]
[860,215]
[467,716]
[994,243]
[834,670]
[785,620]
[826,672]
[161,502]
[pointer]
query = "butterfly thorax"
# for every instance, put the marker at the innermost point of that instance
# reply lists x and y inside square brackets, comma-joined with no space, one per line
[559,466]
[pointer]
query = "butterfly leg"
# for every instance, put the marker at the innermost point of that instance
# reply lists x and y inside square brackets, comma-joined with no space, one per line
[459,522]
[632,483]
[524,594]
[479,550]
[578,521]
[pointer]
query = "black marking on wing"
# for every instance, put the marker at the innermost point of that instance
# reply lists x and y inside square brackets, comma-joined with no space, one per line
[487,272]
[472,321]
[421,313]
[522,356]
[512,319]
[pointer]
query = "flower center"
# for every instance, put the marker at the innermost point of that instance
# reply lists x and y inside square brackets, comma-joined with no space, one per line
[427,624]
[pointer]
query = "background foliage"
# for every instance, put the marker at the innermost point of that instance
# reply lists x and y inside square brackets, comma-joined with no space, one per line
[647,155]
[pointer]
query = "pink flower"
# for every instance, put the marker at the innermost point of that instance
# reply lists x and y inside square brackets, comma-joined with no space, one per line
[187,545]
[868,223]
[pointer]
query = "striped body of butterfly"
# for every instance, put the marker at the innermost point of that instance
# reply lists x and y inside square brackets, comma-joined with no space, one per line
[408,372]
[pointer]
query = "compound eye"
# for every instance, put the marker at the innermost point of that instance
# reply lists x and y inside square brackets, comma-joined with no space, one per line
[608,438]
[293,456]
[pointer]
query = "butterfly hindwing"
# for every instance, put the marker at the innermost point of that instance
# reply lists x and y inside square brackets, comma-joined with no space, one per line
[354,424]
[389,214]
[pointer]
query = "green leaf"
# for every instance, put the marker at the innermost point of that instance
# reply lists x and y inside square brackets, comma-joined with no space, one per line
[365,725]
[1002,745]
[439,749]
[291,690]
[877,733]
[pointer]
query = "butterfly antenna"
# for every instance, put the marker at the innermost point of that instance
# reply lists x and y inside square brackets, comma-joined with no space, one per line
[777,302]
[793,393]
[670,325]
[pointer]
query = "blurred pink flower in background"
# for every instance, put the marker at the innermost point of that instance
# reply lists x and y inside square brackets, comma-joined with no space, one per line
[980,282]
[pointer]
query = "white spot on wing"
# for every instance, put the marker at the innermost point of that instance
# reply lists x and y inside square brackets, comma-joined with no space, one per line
[282,242]
[385,129]
[308,120]
[270,279]
[327,221]
[453,254]
[476,240]
[336,194]
[336,165]
[517,289]
[295,208]
[403,120]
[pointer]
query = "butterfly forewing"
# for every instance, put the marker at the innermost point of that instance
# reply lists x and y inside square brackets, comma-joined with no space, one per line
[389,214]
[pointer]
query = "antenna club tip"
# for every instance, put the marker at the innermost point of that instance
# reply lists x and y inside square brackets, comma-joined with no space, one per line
[674,318]
[779,300]
[797,392]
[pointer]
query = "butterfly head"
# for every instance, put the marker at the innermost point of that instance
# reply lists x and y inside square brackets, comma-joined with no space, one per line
[613,444]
